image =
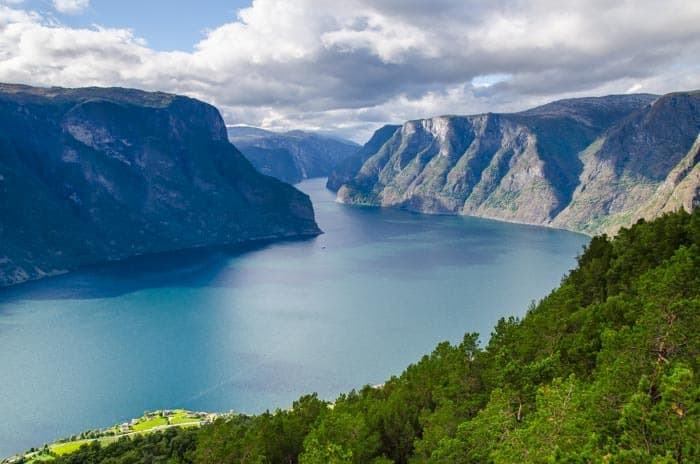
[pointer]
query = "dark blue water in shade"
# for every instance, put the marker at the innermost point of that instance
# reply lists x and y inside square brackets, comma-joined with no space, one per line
[254,329]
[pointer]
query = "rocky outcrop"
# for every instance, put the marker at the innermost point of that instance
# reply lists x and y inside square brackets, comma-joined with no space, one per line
[588,164]
[291,156]
[94,174]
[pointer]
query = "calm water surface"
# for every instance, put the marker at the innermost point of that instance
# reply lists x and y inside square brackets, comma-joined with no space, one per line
[251,330]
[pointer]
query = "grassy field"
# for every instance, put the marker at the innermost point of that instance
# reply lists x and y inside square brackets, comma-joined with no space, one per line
[181,418]
[147,424]
[71,446]
[42,458]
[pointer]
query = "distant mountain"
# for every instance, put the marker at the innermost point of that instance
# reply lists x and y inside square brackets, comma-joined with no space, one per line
[290,156]
[95,174]
[586,164]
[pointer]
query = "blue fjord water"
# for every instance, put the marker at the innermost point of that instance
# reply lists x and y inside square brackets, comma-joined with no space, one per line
[254,329]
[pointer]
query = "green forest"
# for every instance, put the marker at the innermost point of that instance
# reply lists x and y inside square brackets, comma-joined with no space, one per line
[601,370]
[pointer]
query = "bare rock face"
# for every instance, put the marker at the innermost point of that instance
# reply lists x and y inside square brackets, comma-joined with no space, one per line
[95,174]
[588,164]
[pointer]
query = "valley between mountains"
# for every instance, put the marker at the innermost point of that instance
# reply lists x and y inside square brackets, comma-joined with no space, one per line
[91,175]
[104,174]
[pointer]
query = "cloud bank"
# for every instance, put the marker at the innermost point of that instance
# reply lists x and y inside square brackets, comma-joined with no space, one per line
[71,6]
[349,67]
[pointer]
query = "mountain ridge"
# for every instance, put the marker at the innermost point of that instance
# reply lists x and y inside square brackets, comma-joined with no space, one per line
[532,166]
[95,174]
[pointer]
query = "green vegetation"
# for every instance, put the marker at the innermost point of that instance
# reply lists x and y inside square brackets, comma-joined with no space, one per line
[183,417]
[172,445]
[69,447]
[604,369]
[150,423]
[147,424]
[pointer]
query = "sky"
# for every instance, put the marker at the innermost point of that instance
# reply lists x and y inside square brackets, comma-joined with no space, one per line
[348,67]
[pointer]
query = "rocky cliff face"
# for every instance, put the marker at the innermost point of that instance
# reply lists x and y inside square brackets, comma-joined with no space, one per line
[290,156]
[641,167]
[589,164]
[95,174]
[346,169]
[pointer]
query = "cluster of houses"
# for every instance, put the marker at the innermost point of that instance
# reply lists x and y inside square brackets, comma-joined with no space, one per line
[126,426]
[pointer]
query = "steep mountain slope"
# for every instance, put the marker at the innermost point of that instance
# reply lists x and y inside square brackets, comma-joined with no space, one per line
[633,170]
[290,156]
[588,164]
[346,169]
[101,174]
[681,189]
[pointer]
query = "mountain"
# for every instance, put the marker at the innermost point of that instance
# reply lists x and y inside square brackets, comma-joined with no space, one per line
[586,164]
[95,174]
[346,169]
[643,166]
[290,156]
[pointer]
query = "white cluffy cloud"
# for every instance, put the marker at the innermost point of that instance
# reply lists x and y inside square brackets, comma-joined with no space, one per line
[348,67]
[71,6]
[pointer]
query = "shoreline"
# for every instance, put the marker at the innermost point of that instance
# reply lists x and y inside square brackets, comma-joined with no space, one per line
[150,422]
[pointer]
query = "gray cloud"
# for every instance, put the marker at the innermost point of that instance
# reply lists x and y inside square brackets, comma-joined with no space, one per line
[350,67]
